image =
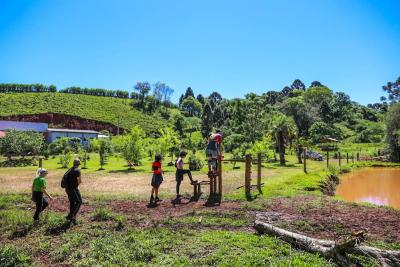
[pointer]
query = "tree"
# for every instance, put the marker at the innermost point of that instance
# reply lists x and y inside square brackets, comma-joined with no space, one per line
[192,106]
[297,109]
[316,84]
[143,89]
[104,149]
[162,92]
[321,130]
[298,84]
[200,98]
[132,149]
[282,128]
[167,143]
[21,143]
[188,93]
[393,132]
[393,91]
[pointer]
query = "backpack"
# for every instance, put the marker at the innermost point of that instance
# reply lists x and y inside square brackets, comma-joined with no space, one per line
[64,180]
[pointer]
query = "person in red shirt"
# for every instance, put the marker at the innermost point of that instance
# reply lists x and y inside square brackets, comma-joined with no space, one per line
[218,139]
[157,179]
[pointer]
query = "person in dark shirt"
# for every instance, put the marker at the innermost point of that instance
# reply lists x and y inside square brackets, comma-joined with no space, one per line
[74,196]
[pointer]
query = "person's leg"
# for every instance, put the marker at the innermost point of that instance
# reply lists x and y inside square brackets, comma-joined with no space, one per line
[71,203]
[178,184]
[78,202]
[189,173]
[39,204]
[156,192]
[45,204]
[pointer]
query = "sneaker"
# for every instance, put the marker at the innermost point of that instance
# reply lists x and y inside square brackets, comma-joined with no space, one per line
[151,199]
[73,221]
[158,199]
[193,182]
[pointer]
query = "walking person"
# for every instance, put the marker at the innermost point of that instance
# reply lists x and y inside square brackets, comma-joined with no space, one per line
[157,179]
[38,190]
[180,172]
[73,180]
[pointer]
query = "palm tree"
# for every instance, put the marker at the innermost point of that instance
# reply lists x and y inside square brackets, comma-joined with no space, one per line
[282,128]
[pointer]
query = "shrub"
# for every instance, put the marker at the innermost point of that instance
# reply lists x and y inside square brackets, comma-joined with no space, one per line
[11,256]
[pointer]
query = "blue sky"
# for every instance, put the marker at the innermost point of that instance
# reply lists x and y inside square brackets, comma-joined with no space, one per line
[233,47]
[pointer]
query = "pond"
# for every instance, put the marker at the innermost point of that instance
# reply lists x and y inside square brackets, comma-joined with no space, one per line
[380,186]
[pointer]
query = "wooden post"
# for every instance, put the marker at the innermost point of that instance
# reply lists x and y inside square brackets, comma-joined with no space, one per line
[358,156]
[305,160]
[247,176]
[327,159]
[259,171]
[40,162]
[220,178]
[340,159]
[195,191]
[347,156]
[211,176]
[352,157]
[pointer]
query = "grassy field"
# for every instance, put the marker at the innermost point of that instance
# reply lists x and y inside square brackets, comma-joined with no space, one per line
[105,109]
[117,229]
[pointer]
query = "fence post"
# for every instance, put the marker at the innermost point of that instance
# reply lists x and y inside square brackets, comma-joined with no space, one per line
[327,159]
[358,156]
[305,160]
[220,177]
[247,175]
[352,157]
[40,163]
[347,156]
[259,171]
[340,159]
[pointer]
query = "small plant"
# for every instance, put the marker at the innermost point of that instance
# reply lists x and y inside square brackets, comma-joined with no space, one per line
[103,214]
[65,159]
[121,222]
[11,256]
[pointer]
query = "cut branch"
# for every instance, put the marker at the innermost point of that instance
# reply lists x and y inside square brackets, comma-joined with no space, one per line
[329,249]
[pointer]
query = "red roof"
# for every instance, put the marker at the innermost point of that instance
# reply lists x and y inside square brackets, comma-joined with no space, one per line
[2,134]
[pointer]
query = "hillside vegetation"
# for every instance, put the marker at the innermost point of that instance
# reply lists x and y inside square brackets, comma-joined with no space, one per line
[105,109]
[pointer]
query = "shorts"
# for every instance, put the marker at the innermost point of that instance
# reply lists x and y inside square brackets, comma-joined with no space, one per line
[156,180]
[211,153]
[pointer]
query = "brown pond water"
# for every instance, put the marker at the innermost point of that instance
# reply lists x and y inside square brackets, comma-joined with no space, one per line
[380,186]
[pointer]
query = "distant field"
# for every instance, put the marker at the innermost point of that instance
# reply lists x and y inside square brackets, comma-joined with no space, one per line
[105,109]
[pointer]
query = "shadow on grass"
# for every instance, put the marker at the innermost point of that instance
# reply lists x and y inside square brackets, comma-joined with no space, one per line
[58,229]
[124,171]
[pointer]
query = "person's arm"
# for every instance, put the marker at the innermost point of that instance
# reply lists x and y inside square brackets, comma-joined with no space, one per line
[32,192]
[79,179]
[47,194]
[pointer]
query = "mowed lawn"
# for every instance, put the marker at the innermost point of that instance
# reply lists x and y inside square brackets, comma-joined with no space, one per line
[118,181]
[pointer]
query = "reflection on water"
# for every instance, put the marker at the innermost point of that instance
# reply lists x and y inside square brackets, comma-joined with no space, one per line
[380,186]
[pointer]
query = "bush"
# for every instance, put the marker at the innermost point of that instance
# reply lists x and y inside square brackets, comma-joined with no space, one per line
[11,256]
[195,163]
[103,214]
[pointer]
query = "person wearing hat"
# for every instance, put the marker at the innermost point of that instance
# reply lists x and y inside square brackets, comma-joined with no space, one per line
[74,196]
[38,190]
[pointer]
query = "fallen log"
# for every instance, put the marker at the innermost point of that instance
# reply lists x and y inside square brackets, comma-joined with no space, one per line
[330,249]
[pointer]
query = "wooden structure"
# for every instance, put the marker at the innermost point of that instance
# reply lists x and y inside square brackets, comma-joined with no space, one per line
[305,160]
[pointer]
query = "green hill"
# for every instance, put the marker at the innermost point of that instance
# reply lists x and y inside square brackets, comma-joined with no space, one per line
[104,109]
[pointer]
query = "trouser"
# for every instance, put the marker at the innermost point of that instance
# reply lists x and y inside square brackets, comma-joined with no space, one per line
[41,203]
[75,201]
[179,177]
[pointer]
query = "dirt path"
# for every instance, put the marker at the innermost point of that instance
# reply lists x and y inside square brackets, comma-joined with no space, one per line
[318,217]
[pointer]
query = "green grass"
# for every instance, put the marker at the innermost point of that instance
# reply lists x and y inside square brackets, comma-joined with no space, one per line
[104,109]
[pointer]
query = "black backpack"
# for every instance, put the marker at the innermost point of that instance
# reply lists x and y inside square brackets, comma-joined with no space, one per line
[64,180]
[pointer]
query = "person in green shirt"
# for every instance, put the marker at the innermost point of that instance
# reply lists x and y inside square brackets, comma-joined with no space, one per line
[38,190]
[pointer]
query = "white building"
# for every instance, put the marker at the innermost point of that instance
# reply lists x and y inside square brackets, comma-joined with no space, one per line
[54,134]
[50,134]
